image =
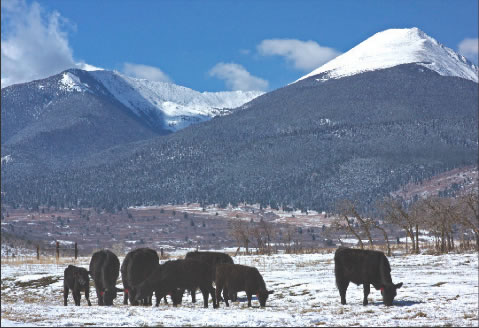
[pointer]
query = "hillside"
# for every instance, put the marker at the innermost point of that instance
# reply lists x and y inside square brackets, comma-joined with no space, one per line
[305,145]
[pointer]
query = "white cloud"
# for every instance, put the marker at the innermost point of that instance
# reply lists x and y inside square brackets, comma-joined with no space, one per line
[469,48]
[34,43]
[145,72]
[304,55]
[237,77]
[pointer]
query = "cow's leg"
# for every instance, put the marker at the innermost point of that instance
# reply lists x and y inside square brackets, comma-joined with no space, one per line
[131,298]
[366,293]
[205,292]
[146,301]
[76,297]
[193,295]
[213,296]
[342,286]
[178,294]
[87,295]
[98,295]
[226,296]
[232,296]
[158,298]
[218,294]
[249,295]
[65,294]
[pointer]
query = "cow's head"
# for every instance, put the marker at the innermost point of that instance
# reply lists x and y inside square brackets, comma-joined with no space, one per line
[109,294]
[263,296]
[141,292]
[388,291]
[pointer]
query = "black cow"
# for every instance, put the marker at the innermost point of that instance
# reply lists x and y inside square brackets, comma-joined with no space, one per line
[76,279]
[212,258]
[136,267]
[176,275]
[233,278]
[105,268]
[364,267]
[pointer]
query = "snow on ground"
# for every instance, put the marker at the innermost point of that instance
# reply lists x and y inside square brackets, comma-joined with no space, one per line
[438,290]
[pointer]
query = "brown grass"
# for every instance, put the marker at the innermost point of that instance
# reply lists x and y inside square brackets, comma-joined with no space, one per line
[43,260]
[42,282]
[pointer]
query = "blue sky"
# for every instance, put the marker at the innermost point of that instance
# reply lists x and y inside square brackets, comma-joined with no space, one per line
[213,45]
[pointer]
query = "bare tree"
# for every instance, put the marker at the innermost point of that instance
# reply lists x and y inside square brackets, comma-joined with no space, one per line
[394,212]
[241,233]
[443,214]
[349,208]
[469,216]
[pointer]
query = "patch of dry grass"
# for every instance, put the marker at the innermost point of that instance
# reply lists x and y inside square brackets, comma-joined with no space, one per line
[42,282]
[13,261]
[437,284]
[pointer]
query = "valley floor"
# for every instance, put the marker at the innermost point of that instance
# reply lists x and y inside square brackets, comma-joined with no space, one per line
[438,290]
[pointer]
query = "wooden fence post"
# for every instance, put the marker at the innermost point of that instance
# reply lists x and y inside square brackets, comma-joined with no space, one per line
[58,250]
[76,250]
[38,252]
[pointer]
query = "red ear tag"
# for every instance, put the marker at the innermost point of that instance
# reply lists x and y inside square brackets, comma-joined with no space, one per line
[126,290]
[382,289]
[101,293]
[257,296]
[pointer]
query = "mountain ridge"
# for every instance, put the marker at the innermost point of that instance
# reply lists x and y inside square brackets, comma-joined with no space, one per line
[305,145]
[394,47]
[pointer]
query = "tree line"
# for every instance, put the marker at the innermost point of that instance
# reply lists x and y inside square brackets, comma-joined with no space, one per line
[444,219]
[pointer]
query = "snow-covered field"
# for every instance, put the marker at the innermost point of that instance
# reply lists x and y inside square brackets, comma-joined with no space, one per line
[438,290]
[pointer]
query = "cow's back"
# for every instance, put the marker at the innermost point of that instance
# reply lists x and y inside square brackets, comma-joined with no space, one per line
[239,277]
[211,258]
[104,267]
[186,273]
[361,266]
[138,265]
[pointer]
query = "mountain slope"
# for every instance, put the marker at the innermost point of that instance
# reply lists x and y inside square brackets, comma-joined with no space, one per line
[55,122]
[176,107]
[395,47]
[306,145]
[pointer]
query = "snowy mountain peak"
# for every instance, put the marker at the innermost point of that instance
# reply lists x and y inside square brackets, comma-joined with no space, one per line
[175,106]
[394,47]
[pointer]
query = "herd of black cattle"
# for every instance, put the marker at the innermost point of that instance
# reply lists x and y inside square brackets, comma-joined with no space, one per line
[142,275]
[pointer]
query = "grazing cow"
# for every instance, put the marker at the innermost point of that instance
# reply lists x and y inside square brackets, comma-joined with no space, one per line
[176,275]
[76,279]
[364,267]
[136,267]
[105,268]
[232,278]
[212,258]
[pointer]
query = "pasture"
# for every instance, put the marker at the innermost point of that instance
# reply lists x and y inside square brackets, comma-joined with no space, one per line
[439,290]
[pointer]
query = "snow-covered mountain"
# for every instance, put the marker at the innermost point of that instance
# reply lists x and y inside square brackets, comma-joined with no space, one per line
[163,104]
[53,122]
[394,47]
[404,109]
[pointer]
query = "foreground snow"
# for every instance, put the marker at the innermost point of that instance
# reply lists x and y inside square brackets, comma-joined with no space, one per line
[438,290]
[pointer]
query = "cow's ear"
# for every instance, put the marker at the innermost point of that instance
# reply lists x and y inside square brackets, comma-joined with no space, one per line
[270,291]
[398,285]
